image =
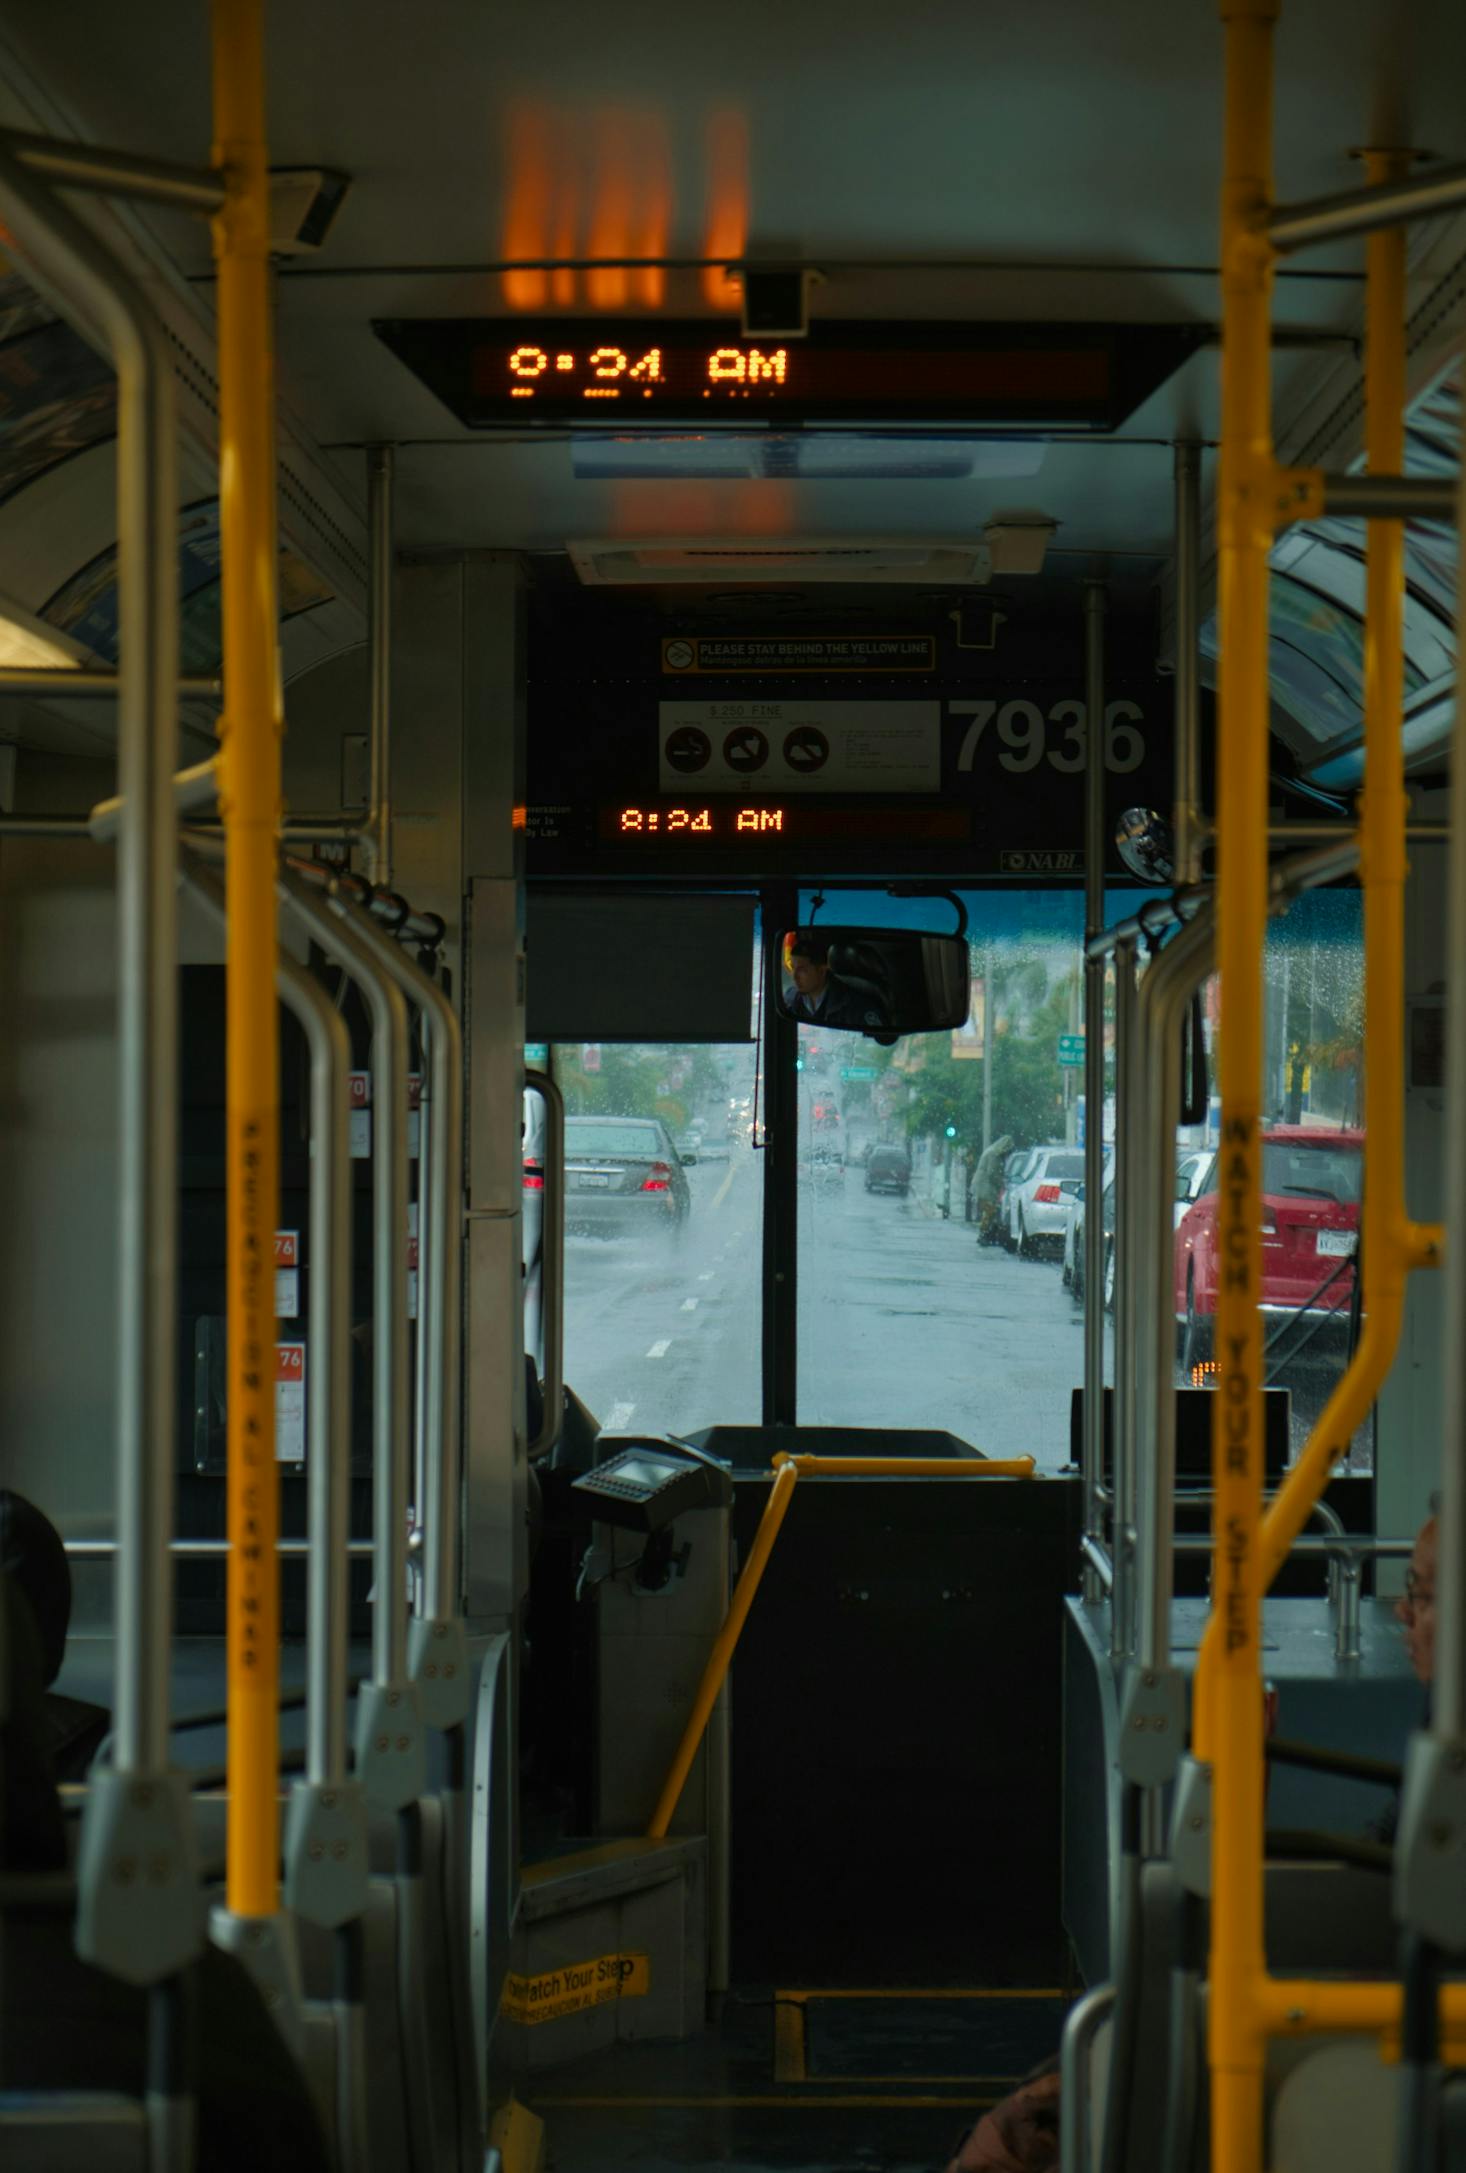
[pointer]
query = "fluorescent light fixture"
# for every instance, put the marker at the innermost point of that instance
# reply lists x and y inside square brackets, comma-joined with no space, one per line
[809,456]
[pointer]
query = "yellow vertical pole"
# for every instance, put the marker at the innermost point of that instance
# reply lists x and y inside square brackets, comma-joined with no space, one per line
[1390,1243]
[1245,528]
[249,798]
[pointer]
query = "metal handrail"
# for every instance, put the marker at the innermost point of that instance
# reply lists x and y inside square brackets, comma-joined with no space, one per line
[389,1264]
[115,317]
[552,1262]
[442,1256]
[1082,2025]
[1165,993]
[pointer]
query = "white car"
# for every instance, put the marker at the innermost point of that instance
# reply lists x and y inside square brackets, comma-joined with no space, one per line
[1192,1166]
[1040,1204]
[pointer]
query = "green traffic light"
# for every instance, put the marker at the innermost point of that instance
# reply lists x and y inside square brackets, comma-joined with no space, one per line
[951,1131]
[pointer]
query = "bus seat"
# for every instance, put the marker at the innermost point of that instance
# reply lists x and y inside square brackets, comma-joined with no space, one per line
[1334,2108]
[51,2134]
[68,2028]
[72,2037]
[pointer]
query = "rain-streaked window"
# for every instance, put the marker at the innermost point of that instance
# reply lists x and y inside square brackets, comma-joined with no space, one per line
[664,1222]
[938,1184]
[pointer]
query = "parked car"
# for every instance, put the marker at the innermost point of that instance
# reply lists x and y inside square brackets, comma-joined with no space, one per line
[1311,1184]
[1040,1202]
[1074,1241]
[622,1174]
[888,1169]
[1019,1162]
[1193,1168]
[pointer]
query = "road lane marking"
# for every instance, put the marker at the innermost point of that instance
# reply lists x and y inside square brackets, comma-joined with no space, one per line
[619,1417]
[689,1305]
[722,1192]
[706,1276]
[659,1350]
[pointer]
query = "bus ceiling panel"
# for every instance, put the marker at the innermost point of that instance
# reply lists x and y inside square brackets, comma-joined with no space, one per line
[663,131]
[530,497]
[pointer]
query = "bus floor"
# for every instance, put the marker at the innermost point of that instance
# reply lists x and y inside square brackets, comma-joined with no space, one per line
[847,2081]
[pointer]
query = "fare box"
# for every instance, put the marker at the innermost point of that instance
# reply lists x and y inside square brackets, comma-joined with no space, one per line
[290,1403]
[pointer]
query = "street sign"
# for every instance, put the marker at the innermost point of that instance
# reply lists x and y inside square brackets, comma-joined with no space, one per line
[859,1071]
[1071,1048]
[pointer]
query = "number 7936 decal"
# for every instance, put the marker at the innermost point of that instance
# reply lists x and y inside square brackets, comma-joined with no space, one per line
[1024,737]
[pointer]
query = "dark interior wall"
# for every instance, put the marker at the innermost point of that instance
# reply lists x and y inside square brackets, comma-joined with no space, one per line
[897,1735]
[58,1159]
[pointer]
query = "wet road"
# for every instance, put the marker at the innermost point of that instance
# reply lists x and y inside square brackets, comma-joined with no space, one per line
[662,1332]
[904,1319]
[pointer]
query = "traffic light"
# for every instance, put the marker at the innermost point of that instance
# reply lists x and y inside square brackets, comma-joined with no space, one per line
[951,1131]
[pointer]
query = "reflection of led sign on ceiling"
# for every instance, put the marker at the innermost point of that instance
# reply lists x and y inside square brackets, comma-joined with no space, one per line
[650,371]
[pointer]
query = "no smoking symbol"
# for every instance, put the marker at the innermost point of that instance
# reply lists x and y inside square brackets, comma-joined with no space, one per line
[688,749]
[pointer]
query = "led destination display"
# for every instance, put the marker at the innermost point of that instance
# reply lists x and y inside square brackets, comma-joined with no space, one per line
[643,371]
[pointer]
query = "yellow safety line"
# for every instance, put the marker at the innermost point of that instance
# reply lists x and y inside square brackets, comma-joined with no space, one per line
[249,799]
[939,1992]
[761,2103]
[985,2082]
[724,1188]
[790,2053]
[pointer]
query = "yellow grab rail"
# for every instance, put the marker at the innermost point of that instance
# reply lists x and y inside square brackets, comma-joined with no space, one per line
[906,1467]
[1255,496]
[249,799]
[781,1493]
[1245,527]
[788,1470]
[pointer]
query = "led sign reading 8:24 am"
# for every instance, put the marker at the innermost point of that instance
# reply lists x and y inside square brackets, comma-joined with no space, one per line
[630,375]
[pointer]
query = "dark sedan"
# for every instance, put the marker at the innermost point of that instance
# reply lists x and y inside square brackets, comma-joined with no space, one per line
[622,1174]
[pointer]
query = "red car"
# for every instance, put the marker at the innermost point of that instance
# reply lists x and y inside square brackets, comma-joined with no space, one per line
[1311,1182]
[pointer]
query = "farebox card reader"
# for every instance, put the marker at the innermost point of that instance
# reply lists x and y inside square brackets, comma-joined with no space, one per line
[648,1484]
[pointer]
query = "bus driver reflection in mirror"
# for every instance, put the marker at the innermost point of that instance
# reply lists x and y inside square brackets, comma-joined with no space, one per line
[824,995]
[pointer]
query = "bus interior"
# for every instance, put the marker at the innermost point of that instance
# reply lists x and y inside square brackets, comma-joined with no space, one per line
[731,1117]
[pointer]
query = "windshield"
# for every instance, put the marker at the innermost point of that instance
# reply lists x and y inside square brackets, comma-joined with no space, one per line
[934,1290]
[1328,1173]
[662,1278]
[1063,1165]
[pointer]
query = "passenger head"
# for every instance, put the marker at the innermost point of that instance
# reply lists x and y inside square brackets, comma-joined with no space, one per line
[809,961]
[1416,1610]
[31,1552]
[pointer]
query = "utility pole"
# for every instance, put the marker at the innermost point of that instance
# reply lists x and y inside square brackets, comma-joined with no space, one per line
[989,1050]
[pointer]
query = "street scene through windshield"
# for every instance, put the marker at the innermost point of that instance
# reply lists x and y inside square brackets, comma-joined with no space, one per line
[941,1200]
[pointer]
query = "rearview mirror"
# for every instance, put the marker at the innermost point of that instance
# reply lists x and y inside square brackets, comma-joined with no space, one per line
[883,982]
